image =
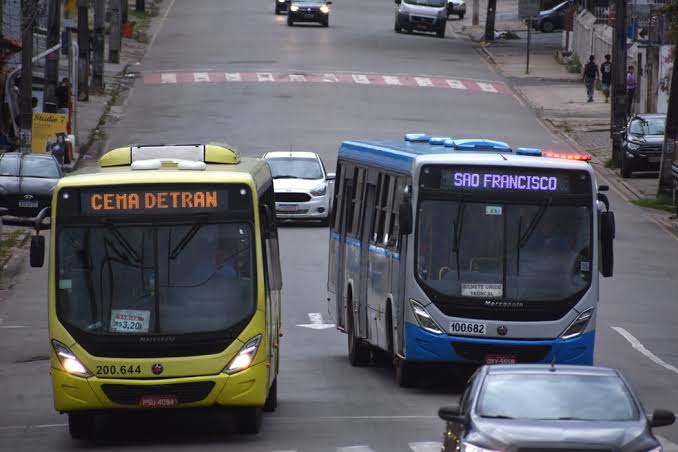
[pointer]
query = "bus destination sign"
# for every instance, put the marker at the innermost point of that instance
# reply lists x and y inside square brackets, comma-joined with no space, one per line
[494,180]
[152,201]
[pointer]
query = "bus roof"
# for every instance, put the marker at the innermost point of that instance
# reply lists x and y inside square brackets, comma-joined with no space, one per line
[400,156]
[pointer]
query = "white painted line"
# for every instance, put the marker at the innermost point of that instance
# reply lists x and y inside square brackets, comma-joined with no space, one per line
[487,87]
[429,446]
[355,449]
[201,77]
[317,322]
[456,84]
[362,79]
[330,78]
[315,317]
[264,76]
[391,80]
[667,445]
[297,78]
[232,76]
[26,427]
[635,343]
[423,81]
[168,77]
[157,31]
[11,327]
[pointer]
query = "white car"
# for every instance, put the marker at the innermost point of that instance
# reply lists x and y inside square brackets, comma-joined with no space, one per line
[303,189]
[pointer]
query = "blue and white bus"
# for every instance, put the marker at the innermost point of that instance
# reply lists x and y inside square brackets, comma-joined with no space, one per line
[466,251]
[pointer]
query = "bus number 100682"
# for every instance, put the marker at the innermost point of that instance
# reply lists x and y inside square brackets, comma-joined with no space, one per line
[477,329]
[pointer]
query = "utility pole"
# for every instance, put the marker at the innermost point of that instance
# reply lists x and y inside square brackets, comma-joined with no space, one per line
[141,5]
[83,47]
[28,12]
[476,12]
[124,11]
[52,60]
[115,33]
[489,21]
[670,132]
[98,50]
[619,95]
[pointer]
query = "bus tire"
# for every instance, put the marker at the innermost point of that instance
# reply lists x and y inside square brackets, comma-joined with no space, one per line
[405,373]
[272,399]
[358,351]
[82,425]
[248,420]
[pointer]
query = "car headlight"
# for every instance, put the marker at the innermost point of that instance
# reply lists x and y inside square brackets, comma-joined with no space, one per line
[70,363]
[632,145]
[577,327]
[294,8]
[281,1]
[656,449]
[245,356]
[324,9]
[468,447]
[320,190]
[424,319]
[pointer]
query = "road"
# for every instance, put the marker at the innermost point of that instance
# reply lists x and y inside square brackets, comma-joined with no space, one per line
[309,88]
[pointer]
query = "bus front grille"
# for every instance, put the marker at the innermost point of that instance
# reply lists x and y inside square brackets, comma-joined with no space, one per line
[184,392]
[524,353]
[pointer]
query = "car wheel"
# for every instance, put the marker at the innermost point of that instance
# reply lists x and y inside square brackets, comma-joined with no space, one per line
[248,420]
[396,27]
[625,167]
[326,22]
[290,22]
[272,399]
[277,8]
[441,33]
[547,26]
[461,16]
[325,221]
[82,425]
[404,373]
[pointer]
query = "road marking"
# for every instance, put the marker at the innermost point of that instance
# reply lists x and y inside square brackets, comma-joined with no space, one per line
[635,343]
[157,31]
[11,327]
[426,446]
[265,77]
[201,77]
[667,445]
[330,78]
[168,78]
[232,76]
[361,79]
[297,78]
[487,87]
[355,449]
[423,81]
[317,323]
[455,84]
[391,80]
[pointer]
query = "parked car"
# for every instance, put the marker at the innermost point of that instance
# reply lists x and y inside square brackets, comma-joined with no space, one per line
[281,6]
[27,182]
[303,189]
[309,11]
[552,19]
[642,143]
[457,7]
[537,407]
[421,15]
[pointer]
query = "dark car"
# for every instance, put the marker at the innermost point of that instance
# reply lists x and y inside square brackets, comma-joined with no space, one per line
[27,182]
[540,407]
[309,11]
[642,143]
[552,19]
[281,6]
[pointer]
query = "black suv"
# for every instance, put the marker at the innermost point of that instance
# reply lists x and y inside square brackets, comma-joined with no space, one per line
[642,143]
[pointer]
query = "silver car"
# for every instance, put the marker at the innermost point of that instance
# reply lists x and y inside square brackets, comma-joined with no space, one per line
[27,182]
[303,189]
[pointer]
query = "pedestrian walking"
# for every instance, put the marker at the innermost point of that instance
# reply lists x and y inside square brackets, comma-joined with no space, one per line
[590,77]
[606,76]
[631,84]
[62,94]
[58,148]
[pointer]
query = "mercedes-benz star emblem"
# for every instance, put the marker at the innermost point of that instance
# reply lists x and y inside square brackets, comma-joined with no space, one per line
[157,368]
[28,196]
[502,330]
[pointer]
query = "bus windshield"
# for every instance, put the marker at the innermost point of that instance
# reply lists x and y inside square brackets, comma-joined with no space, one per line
[155,279]
[526,252]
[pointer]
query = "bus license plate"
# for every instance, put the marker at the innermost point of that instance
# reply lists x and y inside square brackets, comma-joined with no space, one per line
[287,207]
[470,328]
[158,401]
[500,359]
[31,204]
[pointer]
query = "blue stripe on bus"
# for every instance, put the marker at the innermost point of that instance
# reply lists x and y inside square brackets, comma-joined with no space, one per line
[372,248]
[421,345]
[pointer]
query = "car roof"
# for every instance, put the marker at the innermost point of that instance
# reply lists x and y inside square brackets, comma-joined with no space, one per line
[559,369]
[294,154]
[16,155]
[650,115]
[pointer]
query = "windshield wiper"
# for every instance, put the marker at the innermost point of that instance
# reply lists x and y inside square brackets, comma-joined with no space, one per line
[458,225]
[285,176]
[123,241]
[495,416]
[185,240]
[522,241]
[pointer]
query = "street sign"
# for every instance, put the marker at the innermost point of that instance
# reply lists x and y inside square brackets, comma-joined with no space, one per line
[528,8]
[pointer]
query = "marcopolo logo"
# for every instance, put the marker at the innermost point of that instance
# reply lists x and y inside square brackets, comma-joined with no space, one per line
[504,304]
[157,369]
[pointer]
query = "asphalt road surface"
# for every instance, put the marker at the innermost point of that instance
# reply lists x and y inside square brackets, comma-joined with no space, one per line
[234,72]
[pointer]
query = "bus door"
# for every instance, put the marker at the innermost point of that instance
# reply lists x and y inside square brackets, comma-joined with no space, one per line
[340,248]
[367,210]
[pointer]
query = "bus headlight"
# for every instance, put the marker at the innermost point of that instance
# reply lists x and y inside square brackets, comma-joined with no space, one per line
[245,356]
[424,319]
[320,190]
[69,361]
[579,325]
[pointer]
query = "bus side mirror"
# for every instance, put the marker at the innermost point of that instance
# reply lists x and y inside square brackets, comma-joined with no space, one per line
[397,2]
[37,254]
[268,220]
[405,217]
[607,233]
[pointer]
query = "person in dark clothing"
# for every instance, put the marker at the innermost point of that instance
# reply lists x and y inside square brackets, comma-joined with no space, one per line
[631,84]
[62,92]
[590,77]
[606,76]
[58,148]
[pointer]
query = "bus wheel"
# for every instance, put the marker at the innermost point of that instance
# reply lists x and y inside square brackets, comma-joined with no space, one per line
[248,420]
[358,352]
[405,373]
[272,399]
[82,425]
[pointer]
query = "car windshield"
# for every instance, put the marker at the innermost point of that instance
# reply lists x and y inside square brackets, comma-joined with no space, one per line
[436,3]
[649,126]
[9,166]
[295,168]
[504,251]
[45,168]
[162,279]
[556,397]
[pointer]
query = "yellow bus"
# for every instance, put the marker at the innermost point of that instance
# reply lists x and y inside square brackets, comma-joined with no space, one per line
[164,285]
